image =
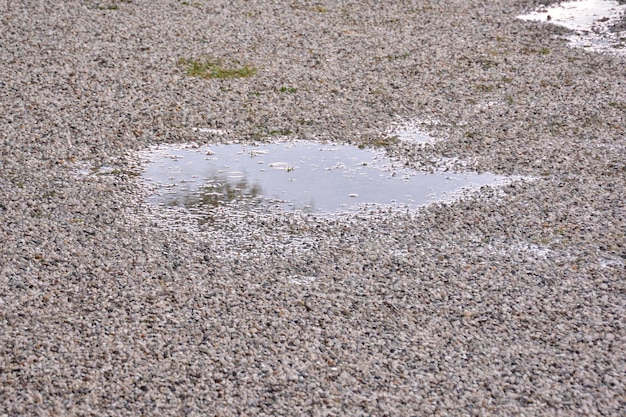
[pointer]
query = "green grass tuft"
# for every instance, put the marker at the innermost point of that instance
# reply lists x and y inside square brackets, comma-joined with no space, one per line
[215,69]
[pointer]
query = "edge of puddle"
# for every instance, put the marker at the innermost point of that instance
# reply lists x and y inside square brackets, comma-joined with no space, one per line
[367,208]
[591,22]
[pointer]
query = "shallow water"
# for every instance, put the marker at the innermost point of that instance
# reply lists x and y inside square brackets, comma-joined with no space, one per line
[411,131]
[306,176]
[590,19]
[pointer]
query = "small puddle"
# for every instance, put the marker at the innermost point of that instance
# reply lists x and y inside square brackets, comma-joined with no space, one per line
[592,21]
[411,132]
[295,176]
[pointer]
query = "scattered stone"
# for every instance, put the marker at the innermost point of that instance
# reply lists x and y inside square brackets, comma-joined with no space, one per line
[509,301]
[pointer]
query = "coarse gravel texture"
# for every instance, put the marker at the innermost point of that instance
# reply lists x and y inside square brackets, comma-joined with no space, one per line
[620,26]
[507,302]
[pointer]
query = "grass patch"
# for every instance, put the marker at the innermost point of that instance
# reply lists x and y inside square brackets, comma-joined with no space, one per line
[386,142]
[280,132]
[487,63]
[215,69]
[380,142]
[288,90]
[485,88]
[394,57]
[263,132]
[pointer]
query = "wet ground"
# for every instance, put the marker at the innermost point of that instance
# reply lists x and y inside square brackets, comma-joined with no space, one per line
[597,24]
[306,176]
[509,301]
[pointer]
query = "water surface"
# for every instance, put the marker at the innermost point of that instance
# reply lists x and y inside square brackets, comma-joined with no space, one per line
[590,19]
[306,176]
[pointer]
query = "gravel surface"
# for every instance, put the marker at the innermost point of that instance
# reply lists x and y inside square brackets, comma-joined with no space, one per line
[507,302]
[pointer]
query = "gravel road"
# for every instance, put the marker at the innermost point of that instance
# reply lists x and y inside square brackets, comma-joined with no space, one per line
[510,301]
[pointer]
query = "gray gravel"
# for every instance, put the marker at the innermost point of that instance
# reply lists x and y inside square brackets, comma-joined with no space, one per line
[507,302]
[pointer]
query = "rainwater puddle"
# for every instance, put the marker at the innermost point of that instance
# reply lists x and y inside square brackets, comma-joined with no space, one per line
[296,176]
[411,131]
[590,19]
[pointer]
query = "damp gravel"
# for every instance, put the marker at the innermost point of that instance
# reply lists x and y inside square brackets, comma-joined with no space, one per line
[508,301]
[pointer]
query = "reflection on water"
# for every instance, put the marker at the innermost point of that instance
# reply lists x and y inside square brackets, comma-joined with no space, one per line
[219,190]
[305,176]
[215,192]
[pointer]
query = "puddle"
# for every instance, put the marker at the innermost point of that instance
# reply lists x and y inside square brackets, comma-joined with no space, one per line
[411,132]
[414,136]
[296,176]
[590,19]
[219,132]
